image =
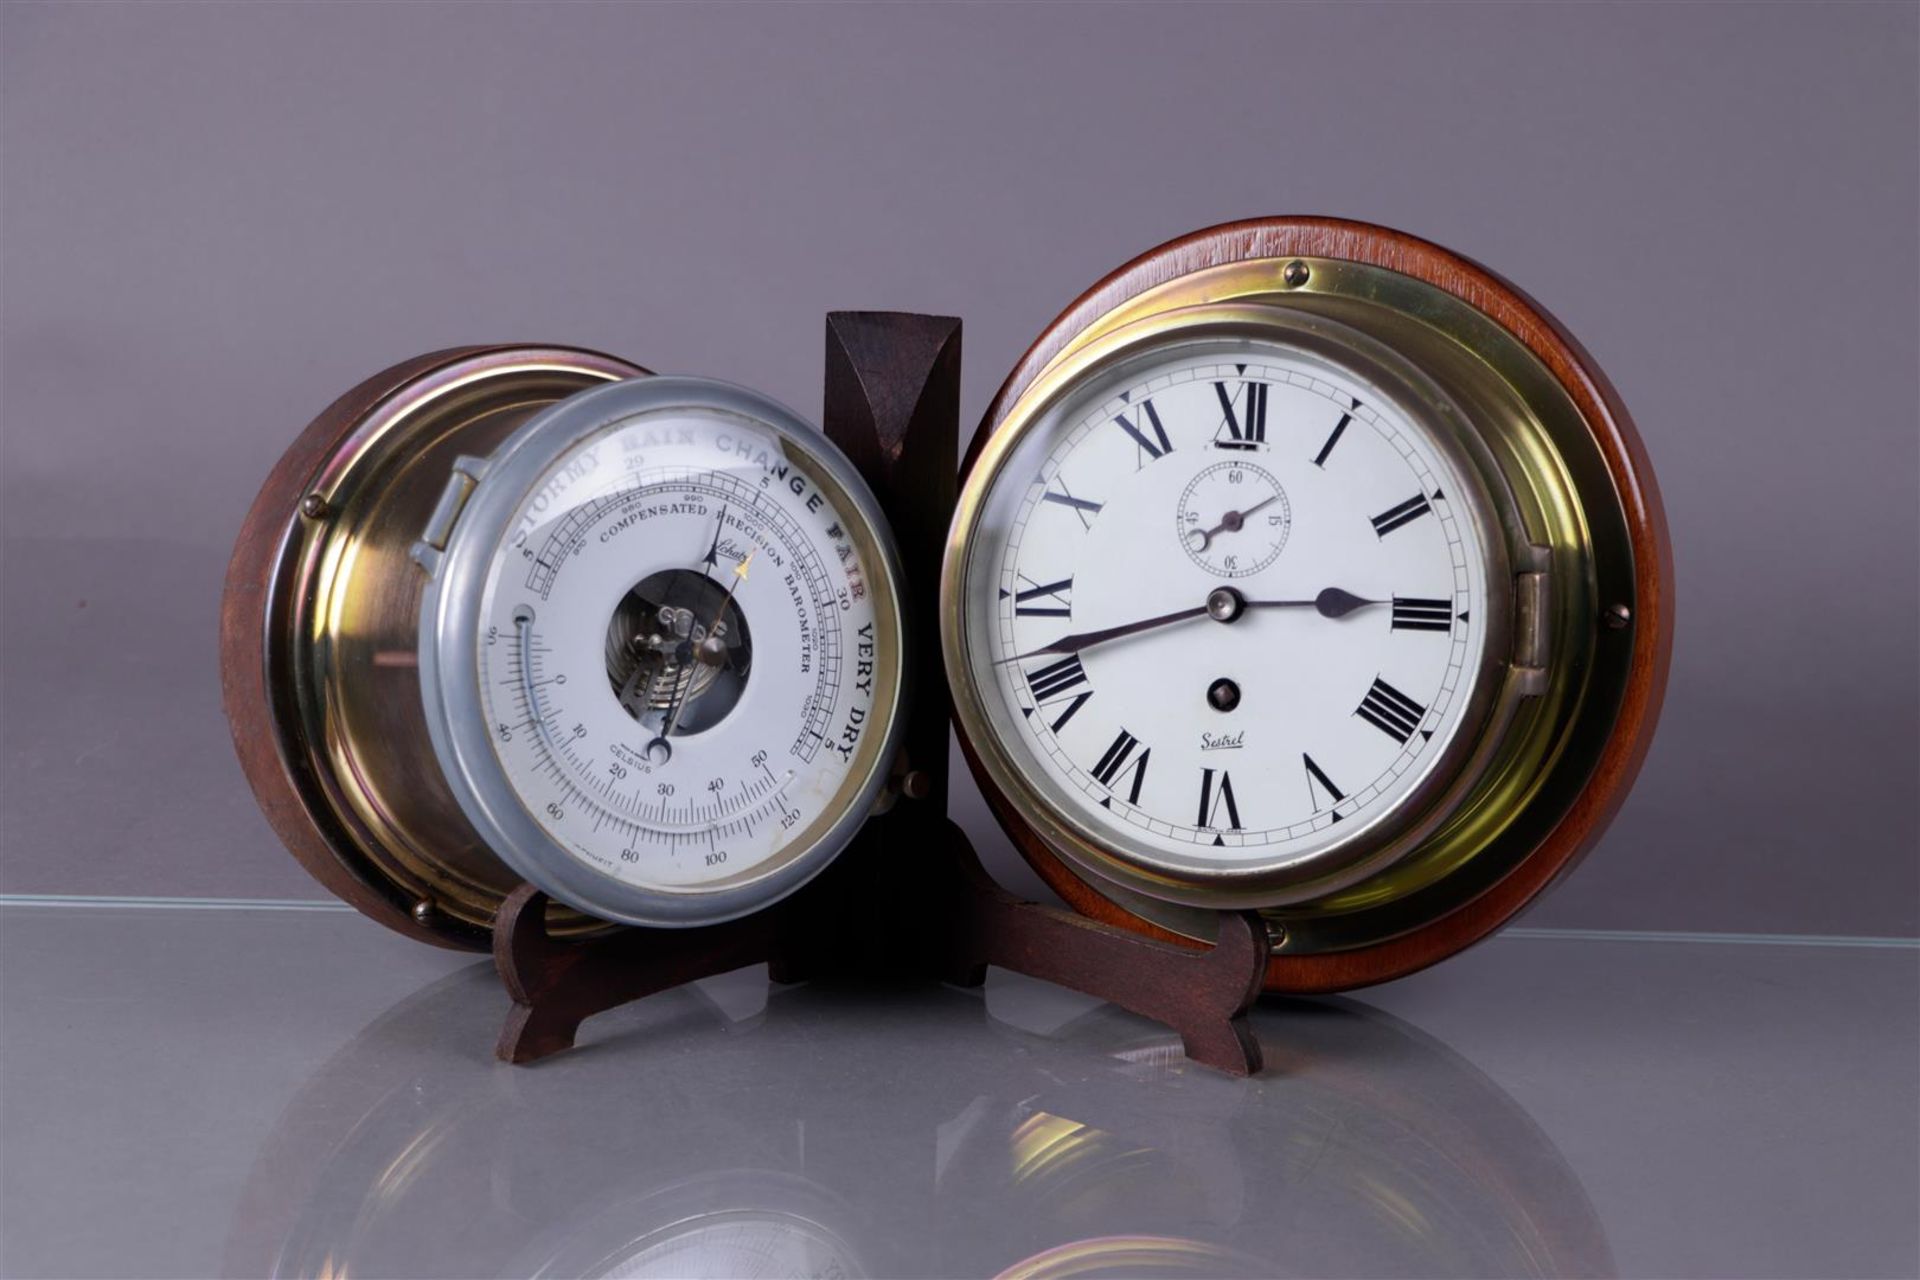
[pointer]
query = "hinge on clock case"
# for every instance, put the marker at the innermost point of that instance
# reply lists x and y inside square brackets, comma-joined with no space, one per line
[466,476]
[1532,622]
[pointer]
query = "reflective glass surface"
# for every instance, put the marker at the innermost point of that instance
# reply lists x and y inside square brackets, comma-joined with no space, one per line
[297,1093]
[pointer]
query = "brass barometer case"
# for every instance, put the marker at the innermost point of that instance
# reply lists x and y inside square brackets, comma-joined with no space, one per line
[1556,695]
[509,614]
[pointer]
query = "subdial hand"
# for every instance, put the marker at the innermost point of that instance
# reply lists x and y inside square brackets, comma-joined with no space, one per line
[1232,522]
[1224,604]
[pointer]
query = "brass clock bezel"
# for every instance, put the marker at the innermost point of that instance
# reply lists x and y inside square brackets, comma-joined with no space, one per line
[320,633]
[1552,774]
[1499,687]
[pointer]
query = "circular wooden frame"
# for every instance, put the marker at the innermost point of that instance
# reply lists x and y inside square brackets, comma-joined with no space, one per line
[1627,466]
[297,758]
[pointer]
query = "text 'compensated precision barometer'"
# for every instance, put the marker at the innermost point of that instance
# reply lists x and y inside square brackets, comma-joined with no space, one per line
[1307,568]
[510,614]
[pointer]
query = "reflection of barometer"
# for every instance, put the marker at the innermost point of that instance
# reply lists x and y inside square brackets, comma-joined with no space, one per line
[522,613]
[1306,567]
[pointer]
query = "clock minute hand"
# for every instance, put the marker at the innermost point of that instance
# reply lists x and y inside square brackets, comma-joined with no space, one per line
[712,558]
[1082,639]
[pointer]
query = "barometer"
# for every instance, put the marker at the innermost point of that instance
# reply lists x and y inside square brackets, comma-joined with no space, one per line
[1308,568]
[530,614]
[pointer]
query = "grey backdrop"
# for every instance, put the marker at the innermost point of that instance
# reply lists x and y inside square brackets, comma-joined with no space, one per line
[218,217]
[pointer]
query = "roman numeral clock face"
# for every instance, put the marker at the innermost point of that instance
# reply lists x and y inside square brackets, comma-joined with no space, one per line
[1227,608]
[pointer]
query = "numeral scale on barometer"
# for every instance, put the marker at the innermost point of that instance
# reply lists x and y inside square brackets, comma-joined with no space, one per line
[1305,613]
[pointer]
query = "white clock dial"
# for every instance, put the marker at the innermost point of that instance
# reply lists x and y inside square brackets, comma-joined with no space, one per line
[1228,606]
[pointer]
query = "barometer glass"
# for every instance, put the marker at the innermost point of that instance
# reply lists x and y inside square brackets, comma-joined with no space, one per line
[662,651]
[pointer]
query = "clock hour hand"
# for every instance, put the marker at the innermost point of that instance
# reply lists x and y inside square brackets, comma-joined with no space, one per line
[1331,603]
[1224,604]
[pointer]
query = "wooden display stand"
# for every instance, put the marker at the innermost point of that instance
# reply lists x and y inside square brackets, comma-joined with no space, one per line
[908,895]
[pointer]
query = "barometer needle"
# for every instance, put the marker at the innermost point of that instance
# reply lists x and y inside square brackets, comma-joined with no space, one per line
[739,576]
[680,691]
[712,559]
[1224,604]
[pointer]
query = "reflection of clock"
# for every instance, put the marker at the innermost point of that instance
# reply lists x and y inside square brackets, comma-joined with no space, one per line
[811,1138]
[731,1243]
[1397,657]
[753,1225]
[396,1159]
[1381,1152]
[1117,1257]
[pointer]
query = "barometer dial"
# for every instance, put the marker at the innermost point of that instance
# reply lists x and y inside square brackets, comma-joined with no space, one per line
[509,614]
[662,650]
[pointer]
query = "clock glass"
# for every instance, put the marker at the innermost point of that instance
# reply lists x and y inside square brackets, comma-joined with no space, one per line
[1228,607]
[661,653]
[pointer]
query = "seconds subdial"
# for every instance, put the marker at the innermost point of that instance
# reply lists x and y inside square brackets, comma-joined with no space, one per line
[1233,519]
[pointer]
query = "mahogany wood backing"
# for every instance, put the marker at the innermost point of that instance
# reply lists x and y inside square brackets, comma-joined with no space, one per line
[286,794]
[1627,463]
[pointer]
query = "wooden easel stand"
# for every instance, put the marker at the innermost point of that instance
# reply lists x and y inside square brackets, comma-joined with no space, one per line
[909,894]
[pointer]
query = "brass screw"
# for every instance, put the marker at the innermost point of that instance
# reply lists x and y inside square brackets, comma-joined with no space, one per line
[916,785]
[1618,616]
[315,507]
[1295,274]
[423,911]
[1276,935]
